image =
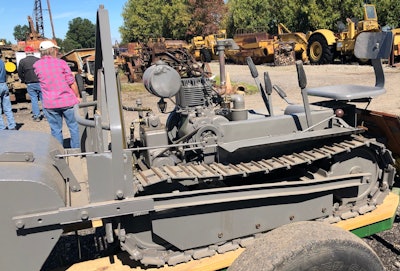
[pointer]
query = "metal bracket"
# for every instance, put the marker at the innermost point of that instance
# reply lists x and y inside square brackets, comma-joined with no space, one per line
[65,171]
[16,157]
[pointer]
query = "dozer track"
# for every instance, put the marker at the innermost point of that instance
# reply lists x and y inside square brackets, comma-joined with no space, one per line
[221,171]
[218,171]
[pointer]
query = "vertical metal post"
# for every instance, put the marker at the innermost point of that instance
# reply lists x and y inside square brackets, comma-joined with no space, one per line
[111,172]
[221,57]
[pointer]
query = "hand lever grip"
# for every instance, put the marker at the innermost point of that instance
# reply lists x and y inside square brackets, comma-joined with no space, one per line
[252,67]
[301,75]
[267,83]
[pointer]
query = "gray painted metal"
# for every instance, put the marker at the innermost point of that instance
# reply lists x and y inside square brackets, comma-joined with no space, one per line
[28,187]
[176,187]
[369,45]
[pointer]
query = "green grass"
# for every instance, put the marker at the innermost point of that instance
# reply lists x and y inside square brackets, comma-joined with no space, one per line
[250,89]
[132,87]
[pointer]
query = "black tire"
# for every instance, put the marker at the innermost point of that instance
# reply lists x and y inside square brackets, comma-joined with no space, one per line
[307,246]
[318,50]
[205,55]
[80,83]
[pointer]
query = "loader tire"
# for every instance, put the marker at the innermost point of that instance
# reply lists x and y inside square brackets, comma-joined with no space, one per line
[308,246]
[205,55]
[318,50]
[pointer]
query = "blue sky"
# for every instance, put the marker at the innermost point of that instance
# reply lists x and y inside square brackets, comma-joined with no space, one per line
[16,12]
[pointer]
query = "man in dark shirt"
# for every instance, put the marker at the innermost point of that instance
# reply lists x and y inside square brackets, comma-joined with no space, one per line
[5,100]
[27,75]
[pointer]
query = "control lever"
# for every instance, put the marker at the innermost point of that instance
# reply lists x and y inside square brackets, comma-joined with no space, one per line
[282,94]
[268,91]
[254,74]
[301,76]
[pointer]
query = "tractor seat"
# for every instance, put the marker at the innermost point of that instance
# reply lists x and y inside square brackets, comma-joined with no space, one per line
[369,45]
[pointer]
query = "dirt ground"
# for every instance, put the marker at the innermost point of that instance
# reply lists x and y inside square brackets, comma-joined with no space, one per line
[387,244]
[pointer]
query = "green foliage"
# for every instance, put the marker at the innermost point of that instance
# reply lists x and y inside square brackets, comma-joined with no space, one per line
[4,41]
[176,18]
[142,19]
[81,34]
[173,19]
[21,32]
[248,14]
[388,12]
[69,44]
[304,15]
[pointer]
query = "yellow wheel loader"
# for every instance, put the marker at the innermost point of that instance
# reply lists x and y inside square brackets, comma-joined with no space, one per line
[324,45]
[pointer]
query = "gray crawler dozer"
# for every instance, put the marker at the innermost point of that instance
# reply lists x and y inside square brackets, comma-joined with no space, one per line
[211,179]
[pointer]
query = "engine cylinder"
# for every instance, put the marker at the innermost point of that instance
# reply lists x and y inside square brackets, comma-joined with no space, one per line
[194,92]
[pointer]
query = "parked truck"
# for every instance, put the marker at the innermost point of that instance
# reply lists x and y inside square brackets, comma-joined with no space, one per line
[214,178]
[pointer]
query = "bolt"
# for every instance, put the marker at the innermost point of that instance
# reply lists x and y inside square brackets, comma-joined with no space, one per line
[119,194]
[291,217]
[220,235]
[324,210]
[258,226]
[84,215]
[20,224]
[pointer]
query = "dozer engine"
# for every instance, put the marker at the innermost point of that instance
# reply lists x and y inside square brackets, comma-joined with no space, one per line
[194,125]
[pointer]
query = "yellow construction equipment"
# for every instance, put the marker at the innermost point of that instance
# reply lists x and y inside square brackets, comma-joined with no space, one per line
[204,47]
[324,45]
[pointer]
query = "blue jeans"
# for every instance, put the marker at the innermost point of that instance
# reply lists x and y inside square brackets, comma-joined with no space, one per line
[35,93]
[6,107]
[55,119]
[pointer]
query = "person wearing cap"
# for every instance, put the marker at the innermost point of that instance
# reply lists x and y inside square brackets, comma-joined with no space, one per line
[5,100]
[60,92]
[28,76]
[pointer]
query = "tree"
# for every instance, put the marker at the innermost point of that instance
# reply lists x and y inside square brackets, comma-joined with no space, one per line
[81,34]
[170,19]
[142,19]
[20,32]
[176,15]
[248,14]
[388,13]
[4,41]
[207,16]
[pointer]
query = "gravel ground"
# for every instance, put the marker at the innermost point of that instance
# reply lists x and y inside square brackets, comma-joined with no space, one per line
[386,244]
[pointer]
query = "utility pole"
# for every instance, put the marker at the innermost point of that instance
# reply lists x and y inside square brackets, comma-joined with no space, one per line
[51,20]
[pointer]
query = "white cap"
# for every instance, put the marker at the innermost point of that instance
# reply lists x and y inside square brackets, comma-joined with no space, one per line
[47,44]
